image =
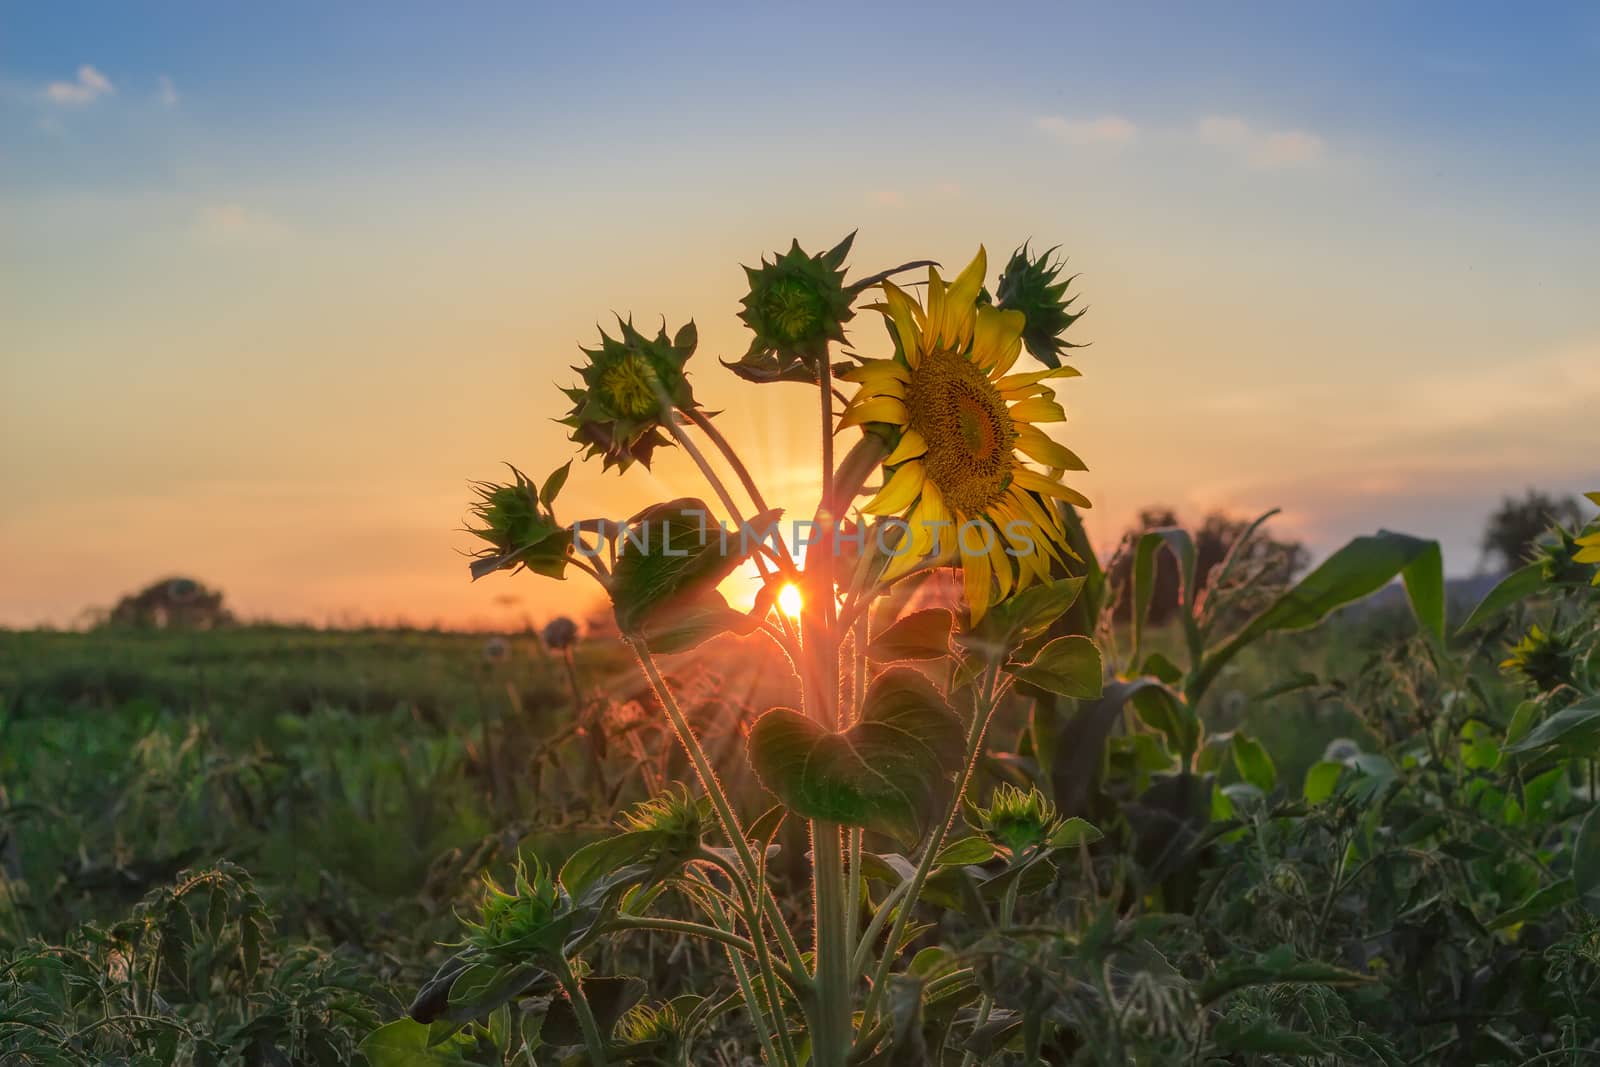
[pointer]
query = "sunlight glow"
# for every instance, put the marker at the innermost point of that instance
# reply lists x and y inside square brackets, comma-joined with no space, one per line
[789,600]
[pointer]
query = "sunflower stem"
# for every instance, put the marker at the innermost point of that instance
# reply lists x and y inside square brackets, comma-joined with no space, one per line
[831,1032]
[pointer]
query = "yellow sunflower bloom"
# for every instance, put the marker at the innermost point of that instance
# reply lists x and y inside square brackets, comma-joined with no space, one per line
[958,476]
[1589,544]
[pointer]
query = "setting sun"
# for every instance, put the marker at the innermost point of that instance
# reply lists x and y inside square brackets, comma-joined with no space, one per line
[789,601]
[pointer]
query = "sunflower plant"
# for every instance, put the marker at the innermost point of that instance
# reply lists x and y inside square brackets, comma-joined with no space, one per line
[934,440]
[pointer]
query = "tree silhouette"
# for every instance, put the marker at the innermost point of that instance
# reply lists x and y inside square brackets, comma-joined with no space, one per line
[1514,527]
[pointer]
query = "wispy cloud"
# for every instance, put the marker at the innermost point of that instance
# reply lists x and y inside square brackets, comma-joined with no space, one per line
[235,224]
[167,92]
[1109,130]
[89,86]
[889,197]
[1260,147]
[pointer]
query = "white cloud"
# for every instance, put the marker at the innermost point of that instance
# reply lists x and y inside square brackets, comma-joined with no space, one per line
[234,224]
[1270,149]
[1111,130]
[889,197]
[167,92]
[89,87]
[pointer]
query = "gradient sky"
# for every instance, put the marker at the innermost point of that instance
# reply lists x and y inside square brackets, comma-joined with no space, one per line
[276,280]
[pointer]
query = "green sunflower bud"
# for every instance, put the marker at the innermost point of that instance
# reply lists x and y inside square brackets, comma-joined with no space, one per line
[674,816]
[531,919]
[1015,820]
[1544,659]
[1029,284]
[797,304]
[630,386]
[519,526]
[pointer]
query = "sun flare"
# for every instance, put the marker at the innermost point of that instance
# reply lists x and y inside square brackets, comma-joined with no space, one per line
[789,601]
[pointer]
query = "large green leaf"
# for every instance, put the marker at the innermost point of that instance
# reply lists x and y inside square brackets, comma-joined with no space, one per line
[671,556]
[692,621]
[885,773]
[1023,618]
[1586,862]
[1572,731]
[1361,567]
[1068,666]
[921,635]
[1519,584]
[1182,547]
[1254,765]
[404,1043]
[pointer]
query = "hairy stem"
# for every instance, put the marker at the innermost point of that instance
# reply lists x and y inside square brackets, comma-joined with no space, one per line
[592,1039]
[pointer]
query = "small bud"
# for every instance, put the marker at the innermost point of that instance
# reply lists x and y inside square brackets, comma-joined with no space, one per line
[1028,284]
[560,633]
[630,386]
[520,528]
[796,306]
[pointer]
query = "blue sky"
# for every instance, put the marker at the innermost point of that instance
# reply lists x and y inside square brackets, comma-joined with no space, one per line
[277,280]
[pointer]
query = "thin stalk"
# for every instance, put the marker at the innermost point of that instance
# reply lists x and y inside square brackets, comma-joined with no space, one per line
[1008,905]
[980,726]
[592,1041]
[831,1032]
[795,973]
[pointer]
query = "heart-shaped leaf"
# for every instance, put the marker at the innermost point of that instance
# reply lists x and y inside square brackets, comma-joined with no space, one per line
[672,555]
[1068,666]
[885,773]
[920,635]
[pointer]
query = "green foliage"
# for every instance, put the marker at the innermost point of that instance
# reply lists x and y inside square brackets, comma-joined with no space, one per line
[887,772]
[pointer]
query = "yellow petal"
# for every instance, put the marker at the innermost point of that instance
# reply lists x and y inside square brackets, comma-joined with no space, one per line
[1034,442]
[899,493]
[1037,409]
[874,370]
[994,332]
[920,536]
[1594,498]
[954,325]
[882,387]
[1000,563]
[875,409]
[911,446]
[907,319]
[1040,484]
[1017,381]
[975,576]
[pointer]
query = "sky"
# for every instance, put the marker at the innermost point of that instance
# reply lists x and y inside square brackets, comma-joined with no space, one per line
[277,280]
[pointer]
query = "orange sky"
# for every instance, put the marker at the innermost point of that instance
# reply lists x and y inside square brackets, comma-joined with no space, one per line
[262,317]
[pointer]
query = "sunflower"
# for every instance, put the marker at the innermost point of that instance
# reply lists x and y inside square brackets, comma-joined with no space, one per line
[957,474]
[1589,543]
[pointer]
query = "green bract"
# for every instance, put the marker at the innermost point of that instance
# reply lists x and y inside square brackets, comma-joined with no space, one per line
[1029,284]
[520,527]
[796,306]
[630,386]
[531,920]
[1015,819]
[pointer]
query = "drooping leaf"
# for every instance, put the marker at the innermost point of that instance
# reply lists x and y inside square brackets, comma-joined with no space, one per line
[1572,731]
[1181,545]
[1068,666]
[885,773]
[1518,585]
[921,635]
[674,554]
[1363,566]
[1163,709]
[596,860]
[692,623]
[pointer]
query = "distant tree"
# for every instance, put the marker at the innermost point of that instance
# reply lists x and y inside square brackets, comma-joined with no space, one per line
[172,603]
[1274,563]
[1514,527]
